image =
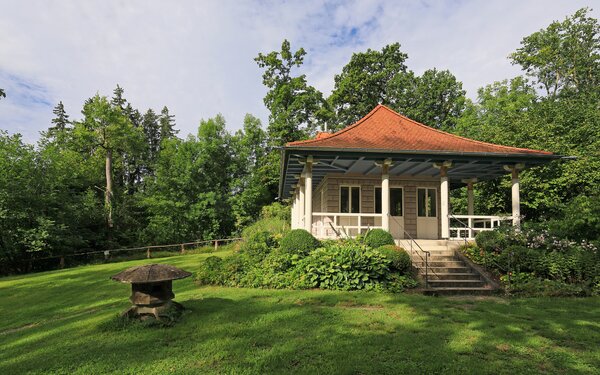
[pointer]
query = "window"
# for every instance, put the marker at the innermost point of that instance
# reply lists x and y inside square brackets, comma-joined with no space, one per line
[350,199]
[426,202]
[395,201]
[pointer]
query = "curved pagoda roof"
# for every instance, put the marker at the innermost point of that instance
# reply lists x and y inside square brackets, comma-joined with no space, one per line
[385,129]
[412,148]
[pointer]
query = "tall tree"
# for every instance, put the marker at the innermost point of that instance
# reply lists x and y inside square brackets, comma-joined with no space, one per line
[151,129]
[60,123]
[167,124]
[189,199]
[2,93]
[105,129]
[436,98]
[248,191]
[365,82]
[296,108]
[563,56]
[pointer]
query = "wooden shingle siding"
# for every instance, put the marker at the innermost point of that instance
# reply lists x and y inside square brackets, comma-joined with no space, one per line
[331,184]
[410,209]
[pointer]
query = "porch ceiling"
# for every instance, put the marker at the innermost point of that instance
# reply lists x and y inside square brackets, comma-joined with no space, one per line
[465,165]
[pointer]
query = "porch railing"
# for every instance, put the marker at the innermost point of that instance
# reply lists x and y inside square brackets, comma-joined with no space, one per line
[326,224]
[467,226]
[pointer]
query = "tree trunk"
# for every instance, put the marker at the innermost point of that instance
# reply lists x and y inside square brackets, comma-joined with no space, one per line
[109,189]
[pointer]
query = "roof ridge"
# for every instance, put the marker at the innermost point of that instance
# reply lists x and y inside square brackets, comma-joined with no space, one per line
[460,137]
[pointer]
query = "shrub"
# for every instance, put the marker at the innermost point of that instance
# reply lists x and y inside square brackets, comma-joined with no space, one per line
[210,271]
[298,241]
[275,226]
[378,237]
[522,259]
[345,266]
[399,259]
[258,246]
[398,283]
[276,211]
[491,241]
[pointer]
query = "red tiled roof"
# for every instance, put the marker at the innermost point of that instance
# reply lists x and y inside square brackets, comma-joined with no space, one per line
[384,129]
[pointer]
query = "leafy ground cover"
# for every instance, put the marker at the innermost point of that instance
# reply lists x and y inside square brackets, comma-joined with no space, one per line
[59,322]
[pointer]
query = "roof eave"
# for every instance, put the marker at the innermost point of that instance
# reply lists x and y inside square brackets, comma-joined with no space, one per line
[427,152]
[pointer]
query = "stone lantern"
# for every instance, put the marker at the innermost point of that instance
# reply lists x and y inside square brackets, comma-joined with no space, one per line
[151,289]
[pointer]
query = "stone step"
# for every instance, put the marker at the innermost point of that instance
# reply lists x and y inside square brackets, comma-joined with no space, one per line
[454,276]
[457,291]
[438,264]
[456,283]
[420,257]
[463,269]
[442,258]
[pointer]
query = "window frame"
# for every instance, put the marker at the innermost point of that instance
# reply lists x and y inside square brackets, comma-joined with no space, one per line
[427,189]
[350,186]
[403,200]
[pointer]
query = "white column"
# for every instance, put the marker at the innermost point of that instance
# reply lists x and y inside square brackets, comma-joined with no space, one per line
[308,195]
[385,197]
[300,219]
[516,199]
[470,199]
[295,209]
[444,202]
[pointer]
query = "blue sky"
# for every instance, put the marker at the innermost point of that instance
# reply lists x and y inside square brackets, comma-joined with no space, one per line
[196,57]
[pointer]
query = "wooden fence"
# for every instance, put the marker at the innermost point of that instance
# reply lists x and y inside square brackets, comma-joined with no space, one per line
[180,247]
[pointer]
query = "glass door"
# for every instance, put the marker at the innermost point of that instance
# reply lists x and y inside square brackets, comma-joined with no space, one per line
[427,220]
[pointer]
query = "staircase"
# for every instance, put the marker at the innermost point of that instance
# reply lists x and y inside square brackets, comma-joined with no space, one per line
[448,275]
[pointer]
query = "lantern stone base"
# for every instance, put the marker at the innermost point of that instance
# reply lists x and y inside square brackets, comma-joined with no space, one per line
[168,310]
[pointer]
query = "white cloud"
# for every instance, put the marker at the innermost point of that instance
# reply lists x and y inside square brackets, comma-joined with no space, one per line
[197,57]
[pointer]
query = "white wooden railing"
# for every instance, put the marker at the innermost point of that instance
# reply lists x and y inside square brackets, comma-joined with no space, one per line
[330,225]
[467,226]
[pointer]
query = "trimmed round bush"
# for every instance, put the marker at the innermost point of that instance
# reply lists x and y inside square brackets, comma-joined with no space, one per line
[298,241]
[491,241]
[378,237]
[399,259]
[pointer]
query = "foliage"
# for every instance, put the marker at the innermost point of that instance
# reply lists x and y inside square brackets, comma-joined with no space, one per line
[210,271]
[258,245]
[399,259]
[299,242]
[563,56]
[436,98]
[345,266]
[277,227]
[539,261]
[491,241]
[295,108]
[276,211]
[378,237]
[364,82]
[580,219]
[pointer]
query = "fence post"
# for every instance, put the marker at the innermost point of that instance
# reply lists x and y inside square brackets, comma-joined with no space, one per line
[148,253]
[182,249]
[216,245]
[62,262]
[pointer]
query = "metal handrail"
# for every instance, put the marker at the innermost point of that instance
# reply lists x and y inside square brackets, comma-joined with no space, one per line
[464,224]
[510,255]
[427,253]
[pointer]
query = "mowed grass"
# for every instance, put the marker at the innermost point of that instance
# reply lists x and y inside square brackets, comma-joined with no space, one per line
[56,322]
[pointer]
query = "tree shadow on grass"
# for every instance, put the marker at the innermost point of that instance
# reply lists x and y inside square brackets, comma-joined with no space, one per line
[261,331]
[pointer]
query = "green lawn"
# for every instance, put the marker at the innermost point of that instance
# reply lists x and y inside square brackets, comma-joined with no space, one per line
[54,322]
